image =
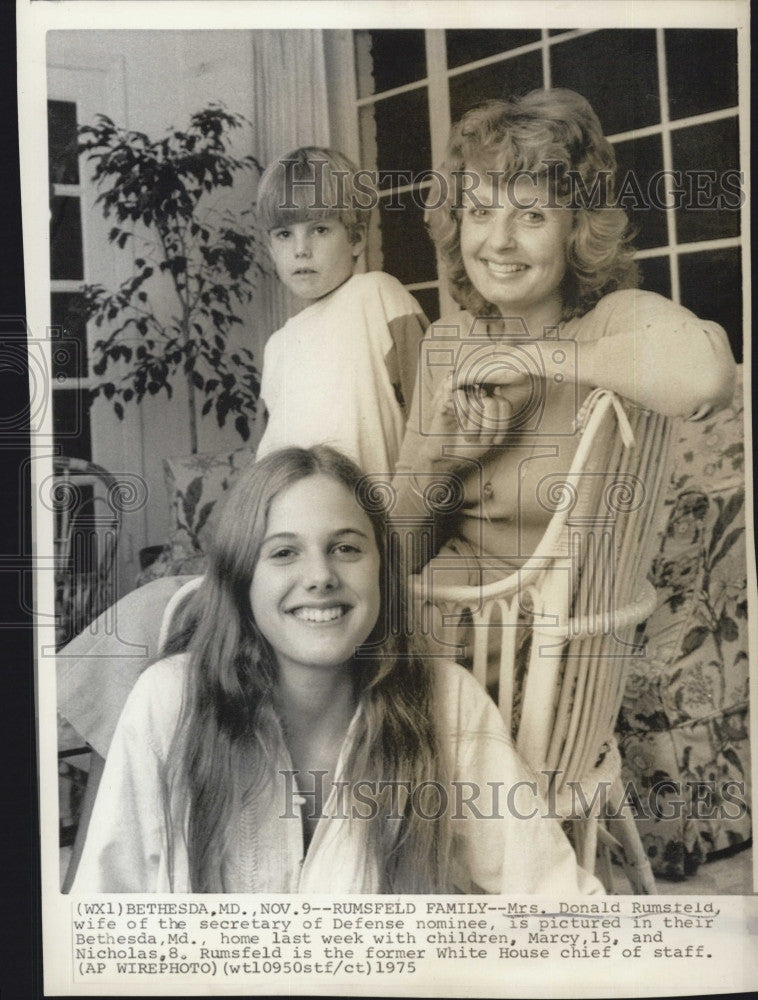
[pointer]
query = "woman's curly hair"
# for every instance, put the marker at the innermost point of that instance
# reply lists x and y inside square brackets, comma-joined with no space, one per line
[552,133]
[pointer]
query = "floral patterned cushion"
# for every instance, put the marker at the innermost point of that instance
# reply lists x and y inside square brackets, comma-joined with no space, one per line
[684,717]
[195,484]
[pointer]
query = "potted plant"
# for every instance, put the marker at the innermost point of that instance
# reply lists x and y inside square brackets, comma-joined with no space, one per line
[195,263]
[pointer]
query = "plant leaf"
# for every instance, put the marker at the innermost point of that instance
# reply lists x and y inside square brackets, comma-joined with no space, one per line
[693,640]
[242,427]
[729,541]
[728,628]
[203,515]
[191,497]
[725,518]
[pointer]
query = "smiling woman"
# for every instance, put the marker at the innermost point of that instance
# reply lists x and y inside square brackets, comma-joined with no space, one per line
[538,255]
[515,253]
[293,716]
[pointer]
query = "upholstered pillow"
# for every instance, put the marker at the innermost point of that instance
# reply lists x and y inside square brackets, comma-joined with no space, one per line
[684,717]
[195,484]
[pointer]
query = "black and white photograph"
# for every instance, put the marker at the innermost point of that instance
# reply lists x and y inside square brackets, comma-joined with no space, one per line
[394,578]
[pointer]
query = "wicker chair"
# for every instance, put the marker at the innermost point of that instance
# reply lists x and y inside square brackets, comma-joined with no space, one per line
[582,597]
[87,512]
[85,501]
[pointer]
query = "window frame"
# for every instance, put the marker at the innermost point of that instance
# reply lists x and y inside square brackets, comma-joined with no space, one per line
[436,81]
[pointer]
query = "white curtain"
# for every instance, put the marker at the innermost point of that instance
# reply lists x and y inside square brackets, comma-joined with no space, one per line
[289,110]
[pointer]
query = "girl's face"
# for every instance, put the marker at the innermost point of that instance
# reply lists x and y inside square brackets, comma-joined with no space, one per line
[514,247]
[315,591]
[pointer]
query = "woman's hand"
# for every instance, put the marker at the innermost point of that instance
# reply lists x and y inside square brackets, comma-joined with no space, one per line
[477,416]
[484,412]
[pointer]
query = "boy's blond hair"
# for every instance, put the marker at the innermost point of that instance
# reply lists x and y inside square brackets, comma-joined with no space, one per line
[311,183]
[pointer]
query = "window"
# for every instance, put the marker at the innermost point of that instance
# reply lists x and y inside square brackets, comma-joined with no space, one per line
[71,411]
[667,100]
[395,138]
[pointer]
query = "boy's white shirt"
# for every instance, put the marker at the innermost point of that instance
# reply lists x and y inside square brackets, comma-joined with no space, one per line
[325,376]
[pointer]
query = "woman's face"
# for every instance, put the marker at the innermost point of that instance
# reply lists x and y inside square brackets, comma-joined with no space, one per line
[315,590]
[514,247]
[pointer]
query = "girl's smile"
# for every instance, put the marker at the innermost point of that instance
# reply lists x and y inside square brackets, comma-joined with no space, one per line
[315,590]
[321,615]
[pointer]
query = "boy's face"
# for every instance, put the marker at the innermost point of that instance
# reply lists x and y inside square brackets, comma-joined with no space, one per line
[314,257]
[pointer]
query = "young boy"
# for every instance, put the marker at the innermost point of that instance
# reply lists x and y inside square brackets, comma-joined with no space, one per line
[341,372]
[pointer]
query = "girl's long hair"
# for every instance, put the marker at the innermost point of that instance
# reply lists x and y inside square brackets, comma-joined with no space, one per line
[222,750]
[556,134]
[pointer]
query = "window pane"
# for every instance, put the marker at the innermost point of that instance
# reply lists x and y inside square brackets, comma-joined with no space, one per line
[62,141]
[468,46]
[702,71]
[639,162]
[406,247]
[71,422]
[395,135]
[79,505]
[65,239]
[616,71]
[69,343]
[501,80]
[429,300]
[388,59]
[708,155]
[655,274]
[711,286]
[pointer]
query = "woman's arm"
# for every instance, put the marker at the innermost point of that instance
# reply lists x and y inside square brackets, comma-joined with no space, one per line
[643,347]
[439,451]
[451,426]
[646,348]
[657,354]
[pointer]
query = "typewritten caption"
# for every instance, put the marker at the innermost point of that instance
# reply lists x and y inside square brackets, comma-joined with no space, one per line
[123,940]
